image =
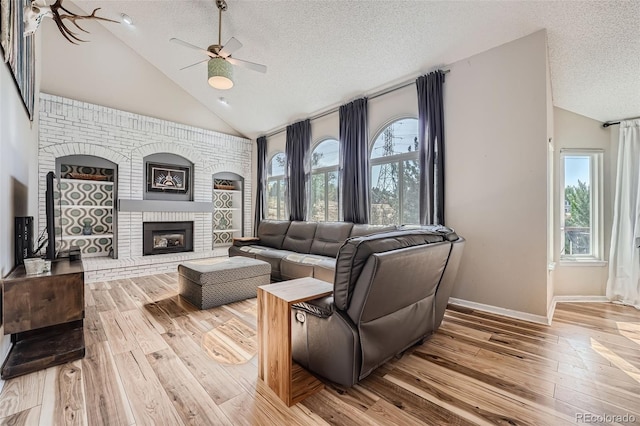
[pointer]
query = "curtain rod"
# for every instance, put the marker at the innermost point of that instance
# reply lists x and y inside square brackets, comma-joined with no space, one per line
[372,96]
[613,123]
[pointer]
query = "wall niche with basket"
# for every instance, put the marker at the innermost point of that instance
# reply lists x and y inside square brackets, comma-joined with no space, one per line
[87,194]
[228,208]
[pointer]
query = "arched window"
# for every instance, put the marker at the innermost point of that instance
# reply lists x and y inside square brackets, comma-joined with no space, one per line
[395,174]
[276,187]
[324,182]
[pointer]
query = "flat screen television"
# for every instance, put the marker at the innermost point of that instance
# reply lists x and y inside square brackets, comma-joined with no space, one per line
[51,197]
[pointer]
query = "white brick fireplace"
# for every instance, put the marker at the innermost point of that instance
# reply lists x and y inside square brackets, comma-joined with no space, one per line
[69,127]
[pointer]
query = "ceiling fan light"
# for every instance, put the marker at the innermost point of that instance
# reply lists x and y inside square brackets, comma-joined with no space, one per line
[220,74]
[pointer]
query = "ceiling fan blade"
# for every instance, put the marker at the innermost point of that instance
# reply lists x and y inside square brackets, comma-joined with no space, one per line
[247,64]
[191,46]
[231,46]
[193,65]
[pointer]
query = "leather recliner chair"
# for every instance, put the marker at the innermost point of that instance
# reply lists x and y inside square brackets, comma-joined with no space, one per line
[390,292]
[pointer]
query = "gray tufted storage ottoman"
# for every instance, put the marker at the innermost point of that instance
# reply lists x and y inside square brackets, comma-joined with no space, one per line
[213,282]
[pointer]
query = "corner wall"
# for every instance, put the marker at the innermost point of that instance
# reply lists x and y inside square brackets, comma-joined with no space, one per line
[496,174]
[18,173]
[577,131]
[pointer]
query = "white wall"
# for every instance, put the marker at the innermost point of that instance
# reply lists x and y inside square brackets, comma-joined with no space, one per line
[550,193]
[18,172]
[496,129]
[382,110]
[496,174]
[71,127]
[106,72]
[576,131]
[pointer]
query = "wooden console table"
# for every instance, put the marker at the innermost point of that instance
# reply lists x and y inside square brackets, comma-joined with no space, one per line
[44,315]
[288,380]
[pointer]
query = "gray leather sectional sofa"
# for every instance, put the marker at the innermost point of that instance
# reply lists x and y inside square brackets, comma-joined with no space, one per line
[302,249]
[391,289]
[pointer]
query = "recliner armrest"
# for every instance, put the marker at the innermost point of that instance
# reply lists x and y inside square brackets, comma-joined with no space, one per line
[321,308]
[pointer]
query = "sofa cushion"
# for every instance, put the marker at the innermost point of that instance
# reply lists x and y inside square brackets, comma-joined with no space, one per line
[307,265]
[241,251]
[356,251]
[293,266]
[299,237]
[329,237]
[272,232]
[272,256]
[360,230]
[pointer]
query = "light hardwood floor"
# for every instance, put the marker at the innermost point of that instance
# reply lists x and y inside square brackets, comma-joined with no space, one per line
[154,359]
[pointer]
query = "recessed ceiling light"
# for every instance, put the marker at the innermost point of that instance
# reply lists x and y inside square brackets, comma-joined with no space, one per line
[223,101]
[126,19]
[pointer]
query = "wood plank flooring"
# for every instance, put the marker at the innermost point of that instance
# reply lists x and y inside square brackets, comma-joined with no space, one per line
[149,362]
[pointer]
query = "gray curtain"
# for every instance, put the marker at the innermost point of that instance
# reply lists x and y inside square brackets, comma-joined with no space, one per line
[297,173]
[431,142]
[354,161]
[261,183]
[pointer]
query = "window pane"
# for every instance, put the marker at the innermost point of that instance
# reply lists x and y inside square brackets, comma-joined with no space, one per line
[272,199]
[282,210]
[384,194]
[325,154]
[277,165]
[577,205]
[333,212]
[411,192]
[324,185]
[276,187]
[399,138]
[317,197]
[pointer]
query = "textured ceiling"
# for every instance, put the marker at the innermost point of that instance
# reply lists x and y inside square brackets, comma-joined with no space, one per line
[320,54]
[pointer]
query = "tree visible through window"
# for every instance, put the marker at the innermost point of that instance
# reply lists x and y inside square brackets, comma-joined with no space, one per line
[580,219]
[324,181]
[276,187]
[395,174]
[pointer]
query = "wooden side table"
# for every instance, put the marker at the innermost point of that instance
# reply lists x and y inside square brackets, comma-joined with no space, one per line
[288,380]
[44,315]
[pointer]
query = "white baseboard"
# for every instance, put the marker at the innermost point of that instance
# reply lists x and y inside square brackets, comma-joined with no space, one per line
[524,316]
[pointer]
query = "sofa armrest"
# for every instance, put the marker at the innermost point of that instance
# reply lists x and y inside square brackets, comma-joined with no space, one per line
[245,241]
[321,308]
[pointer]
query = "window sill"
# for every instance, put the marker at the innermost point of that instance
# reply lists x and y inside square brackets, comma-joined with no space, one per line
[585,262]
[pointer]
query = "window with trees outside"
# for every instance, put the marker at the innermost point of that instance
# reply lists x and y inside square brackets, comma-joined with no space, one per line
[581,198]
[276,187]
[324,182]
[395,174]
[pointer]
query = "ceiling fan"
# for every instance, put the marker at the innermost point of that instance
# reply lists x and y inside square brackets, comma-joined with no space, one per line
[220,61]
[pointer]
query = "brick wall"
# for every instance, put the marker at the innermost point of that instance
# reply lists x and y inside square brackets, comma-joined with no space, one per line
[70,127]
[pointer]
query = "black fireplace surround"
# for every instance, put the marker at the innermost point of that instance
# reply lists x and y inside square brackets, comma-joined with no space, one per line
[167,237]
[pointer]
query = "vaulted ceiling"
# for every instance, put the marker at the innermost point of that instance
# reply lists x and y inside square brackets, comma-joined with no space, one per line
[320,54]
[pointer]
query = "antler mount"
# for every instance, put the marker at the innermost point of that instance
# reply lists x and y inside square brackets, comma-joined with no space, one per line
[34,14]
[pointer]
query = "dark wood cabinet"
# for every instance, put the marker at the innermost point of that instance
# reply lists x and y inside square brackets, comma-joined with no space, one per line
[44,314]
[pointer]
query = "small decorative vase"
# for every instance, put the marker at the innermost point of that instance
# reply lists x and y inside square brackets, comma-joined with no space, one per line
[86,229]
[222,224]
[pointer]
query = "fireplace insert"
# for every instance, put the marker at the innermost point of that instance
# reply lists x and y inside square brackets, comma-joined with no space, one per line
[167,237]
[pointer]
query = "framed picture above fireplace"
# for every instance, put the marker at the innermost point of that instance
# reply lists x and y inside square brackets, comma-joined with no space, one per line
[168,178]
